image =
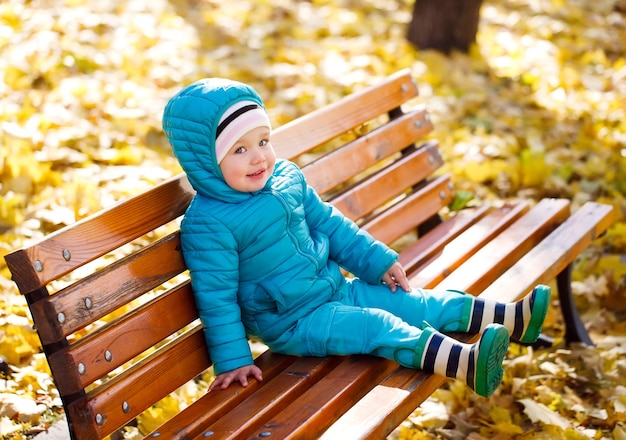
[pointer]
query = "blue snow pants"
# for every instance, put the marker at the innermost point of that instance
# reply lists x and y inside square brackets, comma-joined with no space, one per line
[370,319]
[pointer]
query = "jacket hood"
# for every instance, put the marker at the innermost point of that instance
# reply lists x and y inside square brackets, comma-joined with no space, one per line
[190,121]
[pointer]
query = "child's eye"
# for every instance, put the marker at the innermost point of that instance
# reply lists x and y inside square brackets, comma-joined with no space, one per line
[263,142]
[240,150]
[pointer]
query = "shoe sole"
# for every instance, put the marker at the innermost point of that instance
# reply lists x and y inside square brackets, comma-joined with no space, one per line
[539,311]
[492,349]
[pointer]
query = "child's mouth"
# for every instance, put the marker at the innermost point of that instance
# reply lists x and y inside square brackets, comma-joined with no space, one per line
[257,174]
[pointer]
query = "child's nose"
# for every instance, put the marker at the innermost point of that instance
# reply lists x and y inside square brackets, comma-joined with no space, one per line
[259,156]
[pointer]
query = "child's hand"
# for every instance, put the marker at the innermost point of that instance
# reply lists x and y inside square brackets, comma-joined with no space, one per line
[224,380]
[396,276]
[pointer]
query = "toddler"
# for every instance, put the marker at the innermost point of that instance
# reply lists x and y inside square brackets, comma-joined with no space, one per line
[265,255]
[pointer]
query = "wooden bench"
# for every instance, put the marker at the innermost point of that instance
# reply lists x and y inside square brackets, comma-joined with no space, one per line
[114,310]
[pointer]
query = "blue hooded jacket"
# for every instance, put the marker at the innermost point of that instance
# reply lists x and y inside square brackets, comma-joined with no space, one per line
[258,261]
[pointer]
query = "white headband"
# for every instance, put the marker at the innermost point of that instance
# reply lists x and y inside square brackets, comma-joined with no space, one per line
[239,119]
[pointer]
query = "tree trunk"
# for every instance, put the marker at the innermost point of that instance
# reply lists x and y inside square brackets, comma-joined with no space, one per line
[444,25]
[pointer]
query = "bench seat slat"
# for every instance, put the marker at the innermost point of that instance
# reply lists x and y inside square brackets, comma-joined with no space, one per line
[411,211]
[275,396]
[103,351]
[381,405]
[321,125]
[546,260]
[209,408]
[99,234]
[465,245]
[499,254]
[360,200]
[328,399]
[432,243]
[386,406]
[340,165]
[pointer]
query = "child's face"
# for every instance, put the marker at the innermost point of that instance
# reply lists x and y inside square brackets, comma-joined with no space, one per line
[250,162]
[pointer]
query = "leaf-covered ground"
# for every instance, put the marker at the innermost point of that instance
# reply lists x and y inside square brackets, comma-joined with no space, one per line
[537,109]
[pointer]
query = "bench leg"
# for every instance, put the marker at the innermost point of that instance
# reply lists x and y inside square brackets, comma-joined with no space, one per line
[575,330]
[65,429]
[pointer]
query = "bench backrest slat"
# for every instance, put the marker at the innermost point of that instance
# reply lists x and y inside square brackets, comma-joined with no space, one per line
[413,210]
[101,352]
[311,130]
[70,248]
[340,165]
[128,394]
[384,185]
[105,291]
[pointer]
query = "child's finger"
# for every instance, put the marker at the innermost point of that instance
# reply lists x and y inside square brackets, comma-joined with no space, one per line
[390,282]
[404,283]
